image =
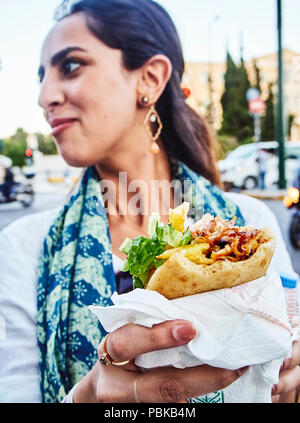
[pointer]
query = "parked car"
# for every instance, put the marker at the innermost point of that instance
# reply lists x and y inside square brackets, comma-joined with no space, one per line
[240,167]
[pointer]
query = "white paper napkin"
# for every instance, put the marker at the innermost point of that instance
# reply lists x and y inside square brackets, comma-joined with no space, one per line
[235,327]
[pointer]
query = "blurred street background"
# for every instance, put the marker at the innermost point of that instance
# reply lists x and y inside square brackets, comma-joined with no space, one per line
[242,74]
[52,183]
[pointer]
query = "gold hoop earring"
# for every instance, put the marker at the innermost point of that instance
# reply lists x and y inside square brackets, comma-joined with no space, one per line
[152,119]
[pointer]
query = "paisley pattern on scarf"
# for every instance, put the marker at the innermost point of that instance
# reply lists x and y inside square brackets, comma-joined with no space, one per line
[212,398]
[75,270]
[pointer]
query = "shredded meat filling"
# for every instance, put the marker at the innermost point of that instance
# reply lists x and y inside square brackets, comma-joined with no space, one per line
[226,240]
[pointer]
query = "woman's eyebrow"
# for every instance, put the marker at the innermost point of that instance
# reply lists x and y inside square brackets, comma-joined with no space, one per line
[59,57]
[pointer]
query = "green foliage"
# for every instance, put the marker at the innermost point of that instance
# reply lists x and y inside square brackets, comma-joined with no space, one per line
[236,118]
[14,147]
[46,144]
[225,144]
[257,84]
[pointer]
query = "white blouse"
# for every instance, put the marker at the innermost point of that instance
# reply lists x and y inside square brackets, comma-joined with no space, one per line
[20,245]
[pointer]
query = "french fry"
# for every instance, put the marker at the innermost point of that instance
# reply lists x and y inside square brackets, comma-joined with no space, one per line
[193,252]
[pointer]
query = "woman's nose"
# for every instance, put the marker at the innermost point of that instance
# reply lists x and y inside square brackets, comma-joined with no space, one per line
[51,93]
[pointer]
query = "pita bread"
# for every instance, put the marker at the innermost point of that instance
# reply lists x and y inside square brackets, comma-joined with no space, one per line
[179,277]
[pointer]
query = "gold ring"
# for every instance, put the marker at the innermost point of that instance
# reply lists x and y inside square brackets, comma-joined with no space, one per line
[136,397]
[106,359]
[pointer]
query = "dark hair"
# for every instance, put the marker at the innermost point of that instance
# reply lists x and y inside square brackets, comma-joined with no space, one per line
[142,29]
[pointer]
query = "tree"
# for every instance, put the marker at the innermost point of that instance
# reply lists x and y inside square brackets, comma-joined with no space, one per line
[15,147]
[257,84]
[46,144]
[236,119]
[268,121]
[246,120]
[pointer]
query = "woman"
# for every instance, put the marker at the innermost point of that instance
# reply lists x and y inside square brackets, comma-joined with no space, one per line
[104,66]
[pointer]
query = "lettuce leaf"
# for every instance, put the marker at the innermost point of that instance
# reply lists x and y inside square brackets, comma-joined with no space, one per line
[125,247]
[171,236]
[153,221]
[141,251]
[141,258]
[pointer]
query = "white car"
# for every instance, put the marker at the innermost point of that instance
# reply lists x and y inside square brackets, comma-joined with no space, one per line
[240,168]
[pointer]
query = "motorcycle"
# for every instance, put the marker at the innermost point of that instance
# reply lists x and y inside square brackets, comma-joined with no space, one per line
[19,191]
[292,201]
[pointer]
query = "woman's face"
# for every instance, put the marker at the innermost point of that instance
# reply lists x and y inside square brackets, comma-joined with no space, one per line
[87,95]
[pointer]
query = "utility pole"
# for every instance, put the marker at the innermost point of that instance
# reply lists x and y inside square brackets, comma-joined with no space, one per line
[279,114]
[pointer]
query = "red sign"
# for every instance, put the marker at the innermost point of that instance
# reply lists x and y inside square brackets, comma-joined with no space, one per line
[28,152]
[257,106]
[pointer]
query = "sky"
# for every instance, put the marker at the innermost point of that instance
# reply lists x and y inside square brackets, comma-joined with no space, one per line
[206,29]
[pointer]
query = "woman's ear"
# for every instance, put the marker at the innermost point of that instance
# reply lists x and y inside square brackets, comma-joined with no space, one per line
[155,74]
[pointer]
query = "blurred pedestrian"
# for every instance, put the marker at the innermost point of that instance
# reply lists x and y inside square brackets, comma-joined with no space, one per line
[8,182]
[262,159]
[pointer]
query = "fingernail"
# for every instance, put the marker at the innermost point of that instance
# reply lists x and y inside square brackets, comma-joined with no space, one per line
[242,370]
[274,389]
[183,333]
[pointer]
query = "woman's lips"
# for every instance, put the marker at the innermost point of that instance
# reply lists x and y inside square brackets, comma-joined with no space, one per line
[61,125]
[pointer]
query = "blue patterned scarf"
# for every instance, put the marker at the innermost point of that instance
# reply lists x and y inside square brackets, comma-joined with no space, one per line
[75,270]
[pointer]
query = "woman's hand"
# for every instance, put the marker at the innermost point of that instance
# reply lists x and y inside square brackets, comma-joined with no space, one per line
[289,377]
[109,383]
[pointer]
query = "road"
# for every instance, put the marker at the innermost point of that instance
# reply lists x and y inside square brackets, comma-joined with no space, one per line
[43,201]
[52,199]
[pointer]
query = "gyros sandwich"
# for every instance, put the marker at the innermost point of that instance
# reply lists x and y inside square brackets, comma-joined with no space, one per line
[213,253]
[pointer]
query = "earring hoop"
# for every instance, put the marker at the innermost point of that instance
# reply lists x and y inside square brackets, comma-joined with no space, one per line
[152,118]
